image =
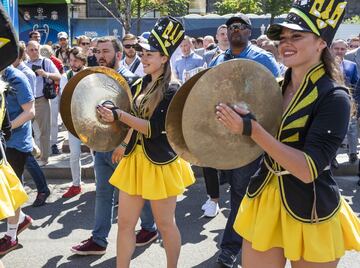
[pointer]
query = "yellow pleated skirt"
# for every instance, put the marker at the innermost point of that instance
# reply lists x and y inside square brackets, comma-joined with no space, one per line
[137,175]
[12,193]
[265,222]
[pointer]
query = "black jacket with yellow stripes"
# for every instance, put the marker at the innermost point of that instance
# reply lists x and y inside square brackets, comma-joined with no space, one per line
[315,122]
[155,144]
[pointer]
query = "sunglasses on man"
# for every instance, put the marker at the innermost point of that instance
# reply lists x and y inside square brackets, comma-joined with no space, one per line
[130,46]
[238,26]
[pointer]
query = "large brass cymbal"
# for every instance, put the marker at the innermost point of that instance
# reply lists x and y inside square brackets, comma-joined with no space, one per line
[242,82]
[86,90]
[173,123]
[65,101]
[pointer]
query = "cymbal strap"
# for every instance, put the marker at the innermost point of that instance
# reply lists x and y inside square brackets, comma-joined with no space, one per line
[247,124]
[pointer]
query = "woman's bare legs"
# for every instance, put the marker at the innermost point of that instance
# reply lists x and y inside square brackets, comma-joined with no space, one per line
[164,215]
[129,210]
[251,258]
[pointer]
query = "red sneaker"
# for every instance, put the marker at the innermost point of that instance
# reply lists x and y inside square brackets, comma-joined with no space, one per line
[6,245]
[72,191]
[88,247]
[144,237]
[25,224]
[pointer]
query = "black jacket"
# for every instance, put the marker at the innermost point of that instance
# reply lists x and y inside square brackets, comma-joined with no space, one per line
[315,122]
[155,144]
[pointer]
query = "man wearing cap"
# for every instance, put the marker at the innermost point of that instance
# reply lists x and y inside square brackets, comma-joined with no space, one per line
[62,53]
[239,31]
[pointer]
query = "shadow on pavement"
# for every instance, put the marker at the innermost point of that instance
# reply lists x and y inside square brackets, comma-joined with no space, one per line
[75,261]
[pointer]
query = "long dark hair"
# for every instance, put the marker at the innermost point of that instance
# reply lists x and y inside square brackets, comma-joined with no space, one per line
[157,95]
[331,66]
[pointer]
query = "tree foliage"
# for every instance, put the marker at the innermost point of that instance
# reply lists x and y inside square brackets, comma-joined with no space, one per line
[273,7]
[233,6]
[138,8]
[353,20]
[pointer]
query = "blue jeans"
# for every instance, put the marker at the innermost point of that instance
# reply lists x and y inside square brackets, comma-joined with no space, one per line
[104,199]
[238,179]
[352,135]
[36,173]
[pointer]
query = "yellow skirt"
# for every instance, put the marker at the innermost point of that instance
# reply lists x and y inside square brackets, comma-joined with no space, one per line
[12,193]
[265,222]
[136,175]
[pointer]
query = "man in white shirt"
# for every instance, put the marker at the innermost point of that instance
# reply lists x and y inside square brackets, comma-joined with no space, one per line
[131,60]
[46,72]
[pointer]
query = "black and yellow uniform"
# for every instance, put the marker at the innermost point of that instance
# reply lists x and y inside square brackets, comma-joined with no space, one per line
[150,167]
[310,221]
[12,193]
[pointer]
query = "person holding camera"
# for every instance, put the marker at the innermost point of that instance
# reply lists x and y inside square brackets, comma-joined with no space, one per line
[46,74]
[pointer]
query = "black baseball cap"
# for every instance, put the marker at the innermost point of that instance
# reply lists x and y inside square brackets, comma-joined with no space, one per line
[239,17]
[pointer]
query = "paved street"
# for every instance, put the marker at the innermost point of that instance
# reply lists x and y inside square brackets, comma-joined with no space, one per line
[62,223]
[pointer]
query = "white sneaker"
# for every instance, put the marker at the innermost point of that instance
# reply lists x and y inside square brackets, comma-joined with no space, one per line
[42,163]
[212,209]
[204,206]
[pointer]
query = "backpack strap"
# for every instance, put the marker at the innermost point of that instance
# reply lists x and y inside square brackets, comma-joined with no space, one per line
[135,65]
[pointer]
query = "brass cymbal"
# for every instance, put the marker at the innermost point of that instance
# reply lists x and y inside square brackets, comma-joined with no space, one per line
[241,82]
[65,101]
[173,123]
[86,90]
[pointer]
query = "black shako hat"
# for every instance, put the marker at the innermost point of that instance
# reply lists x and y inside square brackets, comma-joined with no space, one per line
[8,41]
[166,36]
[321,17]
[239,17]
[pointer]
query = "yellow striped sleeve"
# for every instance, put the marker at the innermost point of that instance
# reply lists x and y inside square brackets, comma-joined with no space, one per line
[312,166]
[148,135]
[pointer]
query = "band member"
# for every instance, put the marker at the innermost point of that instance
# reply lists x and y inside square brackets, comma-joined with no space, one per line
[149,168]
[293,209]
[109,52]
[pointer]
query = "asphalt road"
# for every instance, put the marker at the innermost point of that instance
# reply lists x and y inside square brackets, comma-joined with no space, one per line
[63,223]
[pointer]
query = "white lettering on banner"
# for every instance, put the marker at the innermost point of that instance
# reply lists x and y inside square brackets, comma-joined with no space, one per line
[91,34]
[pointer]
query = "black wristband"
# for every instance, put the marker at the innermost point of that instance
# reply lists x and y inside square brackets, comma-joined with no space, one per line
[247,124]
[115,114]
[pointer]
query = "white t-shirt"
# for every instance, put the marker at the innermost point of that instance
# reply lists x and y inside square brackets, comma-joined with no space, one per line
[139,70]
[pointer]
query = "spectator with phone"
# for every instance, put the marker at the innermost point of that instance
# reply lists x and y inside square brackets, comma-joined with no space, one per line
[46,74]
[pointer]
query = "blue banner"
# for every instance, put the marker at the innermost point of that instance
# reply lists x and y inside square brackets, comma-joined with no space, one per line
[11,6]
[48,19]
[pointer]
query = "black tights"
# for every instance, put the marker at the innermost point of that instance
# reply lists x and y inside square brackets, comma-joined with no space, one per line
[211,182]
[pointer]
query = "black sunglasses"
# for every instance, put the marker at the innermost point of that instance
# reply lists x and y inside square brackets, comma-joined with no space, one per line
[130,46]
[85,44]
[238,26]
